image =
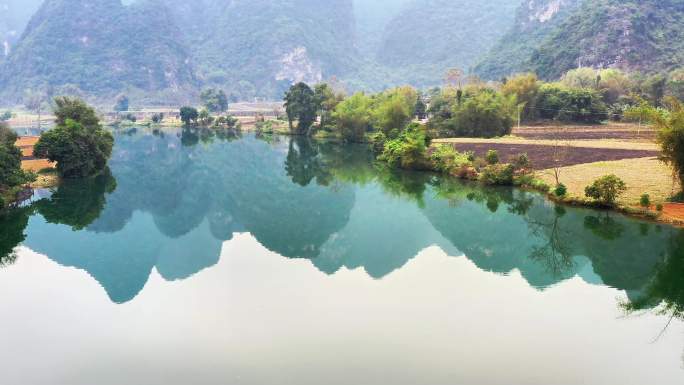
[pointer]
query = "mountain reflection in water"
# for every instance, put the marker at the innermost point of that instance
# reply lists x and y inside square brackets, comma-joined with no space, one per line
[170,201]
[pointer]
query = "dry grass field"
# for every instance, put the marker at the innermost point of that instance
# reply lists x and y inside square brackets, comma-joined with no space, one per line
[641,175]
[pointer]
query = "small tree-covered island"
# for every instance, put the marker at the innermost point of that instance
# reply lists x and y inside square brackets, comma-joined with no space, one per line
[342,192]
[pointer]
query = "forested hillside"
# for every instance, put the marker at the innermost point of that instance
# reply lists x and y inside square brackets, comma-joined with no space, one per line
[259,47]
[99,48]
[634,35]
[160,50]
[551,37]
[431,36]
[535,20]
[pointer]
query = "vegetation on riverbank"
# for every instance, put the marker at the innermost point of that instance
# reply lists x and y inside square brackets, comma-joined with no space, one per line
[12,178]
[392,122]
[79,146]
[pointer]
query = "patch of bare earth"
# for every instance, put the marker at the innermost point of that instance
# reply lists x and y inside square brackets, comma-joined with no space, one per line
[615,131]
[543,156]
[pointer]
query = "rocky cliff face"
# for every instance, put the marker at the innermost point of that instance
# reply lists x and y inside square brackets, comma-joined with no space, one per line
[249,47]
[551,37]
[645,35]
[14,14]
[265,45]
[535,20]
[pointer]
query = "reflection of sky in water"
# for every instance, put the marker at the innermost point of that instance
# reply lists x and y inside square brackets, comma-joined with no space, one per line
[258,318]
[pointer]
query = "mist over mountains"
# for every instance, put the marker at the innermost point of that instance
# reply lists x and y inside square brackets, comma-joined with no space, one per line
[165,50]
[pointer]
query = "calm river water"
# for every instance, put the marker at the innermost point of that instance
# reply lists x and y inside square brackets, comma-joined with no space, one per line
[240,260]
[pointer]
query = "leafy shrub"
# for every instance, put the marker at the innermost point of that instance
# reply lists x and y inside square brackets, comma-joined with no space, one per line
[606,189]
[157,118]
[659,207]
[393,110]
[560,190]
[446,159]
[522,161]
[408,151]
[498,174]
[540,185]
[481,113]
[377,141]
[492,157]
[353,117]
[189,115]
[645,200]
[529,181]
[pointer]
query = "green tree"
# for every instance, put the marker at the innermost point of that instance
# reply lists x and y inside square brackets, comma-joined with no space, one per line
[11,174]
[671,136]
[326,100]
[34,101]
[394,110]
[300,105]
[525,87]
[485,114]
[675,84]
[420,108]
[353,117]
[614,85]
[581,105]
[409,150]
[214,100]
[189,115]
[122,103]
[584,77]
[78,143]
[606,189]
[654,88]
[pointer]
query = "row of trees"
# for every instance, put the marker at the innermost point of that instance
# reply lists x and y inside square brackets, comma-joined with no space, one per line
[351,117]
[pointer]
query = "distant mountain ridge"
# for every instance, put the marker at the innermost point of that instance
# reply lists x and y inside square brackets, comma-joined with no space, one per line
[534,21]
[99,47]
[167,50]
[431,36]
[633,35]
[551,37]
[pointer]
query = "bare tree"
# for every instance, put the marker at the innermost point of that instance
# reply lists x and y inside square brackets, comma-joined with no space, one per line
[559,154]
[454,77]
[33,101]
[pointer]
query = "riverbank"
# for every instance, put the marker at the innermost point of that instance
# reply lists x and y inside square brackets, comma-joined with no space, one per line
[578,155]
